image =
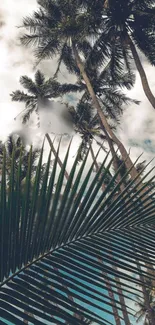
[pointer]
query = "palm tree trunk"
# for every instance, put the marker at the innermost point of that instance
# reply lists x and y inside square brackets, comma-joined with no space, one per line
[142,73]
[111,296]
[108,284]
[55,154]
[151,317]
[122,301]
[102,117]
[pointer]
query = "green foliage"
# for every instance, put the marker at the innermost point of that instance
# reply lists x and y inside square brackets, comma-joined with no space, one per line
[39,92]
[14,146]
[52,247]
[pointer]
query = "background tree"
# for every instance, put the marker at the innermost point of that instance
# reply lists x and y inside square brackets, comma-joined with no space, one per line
[125,26]
[14,145]
[63,29]
[39,92]
[38,95]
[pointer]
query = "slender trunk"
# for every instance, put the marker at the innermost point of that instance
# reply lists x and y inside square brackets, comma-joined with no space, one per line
[142,73]
[102,117]
[55,154]
[122,301]
[151,316]
[108,284]
[111,296]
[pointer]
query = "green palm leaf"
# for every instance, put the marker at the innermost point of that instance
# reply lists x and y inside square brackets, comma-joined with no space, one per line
[53,244]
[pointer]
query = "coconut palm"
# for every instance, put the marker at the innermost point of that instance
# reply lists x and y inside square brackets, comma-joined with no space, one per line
[63,29]
[38,95]
[87,125]
[125,27]
[39,92]
[14,144]
[71,235]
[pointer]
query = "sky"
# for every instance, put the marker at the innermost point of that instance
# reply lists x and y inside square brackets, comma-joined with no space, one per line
[137,127]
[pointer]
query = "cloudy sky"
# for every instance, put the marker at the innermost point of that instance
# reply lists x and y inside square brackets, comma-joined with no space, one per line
[137,130]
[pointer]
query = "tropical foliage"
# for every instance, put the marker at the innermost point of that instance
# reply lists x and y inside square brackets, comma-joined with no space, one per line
[53,246]
[39,92]
[79,253]
[64,29]
[14,144]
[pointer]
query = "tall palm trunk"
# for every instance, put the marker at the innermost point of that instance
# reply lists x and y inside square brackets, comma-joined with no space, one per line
[122,301]
[111,296]
[115,164]
[102,117]
[151,317]
[108,284]
[141,71]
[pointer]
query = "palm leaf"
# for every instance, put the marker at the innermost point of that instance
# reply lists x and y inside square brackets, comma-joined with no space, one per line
[52,247]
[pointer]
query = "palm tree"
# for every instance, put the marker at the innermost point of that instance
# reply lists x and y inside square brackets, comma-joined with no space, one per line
[87,125]
[42,236]
[39,92]
[38,95]
[63,29]
[13,147]
[142,313]
[126,26]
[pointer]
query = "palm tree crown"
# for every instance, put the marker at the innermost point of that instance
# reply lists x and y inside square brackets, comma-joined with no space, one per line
[124,26]
[39,92]
[14,148]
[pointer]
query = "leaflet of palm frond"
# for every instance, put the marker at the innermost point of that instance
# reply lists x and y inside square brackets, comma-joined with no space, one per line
[115,98]
[122,80]
[84,48]
[68,59]
[28,84]
[116,63]
[66,88]
[84,111]
[39,78]
[20,96]
[27,115]
[100,52]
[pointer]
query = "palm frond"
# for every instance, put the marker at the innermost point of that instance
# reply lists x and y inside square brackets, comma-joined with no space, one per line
[70,229]
[39,78]
[28,84]
[20,96]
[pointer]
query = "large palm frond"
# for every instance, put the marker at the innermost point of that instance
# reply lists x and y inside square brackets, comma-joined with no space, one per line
[51,249]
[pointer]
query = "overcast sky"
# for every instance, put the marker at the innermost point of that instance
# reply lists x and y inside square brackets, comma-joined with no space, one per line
[137,130]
